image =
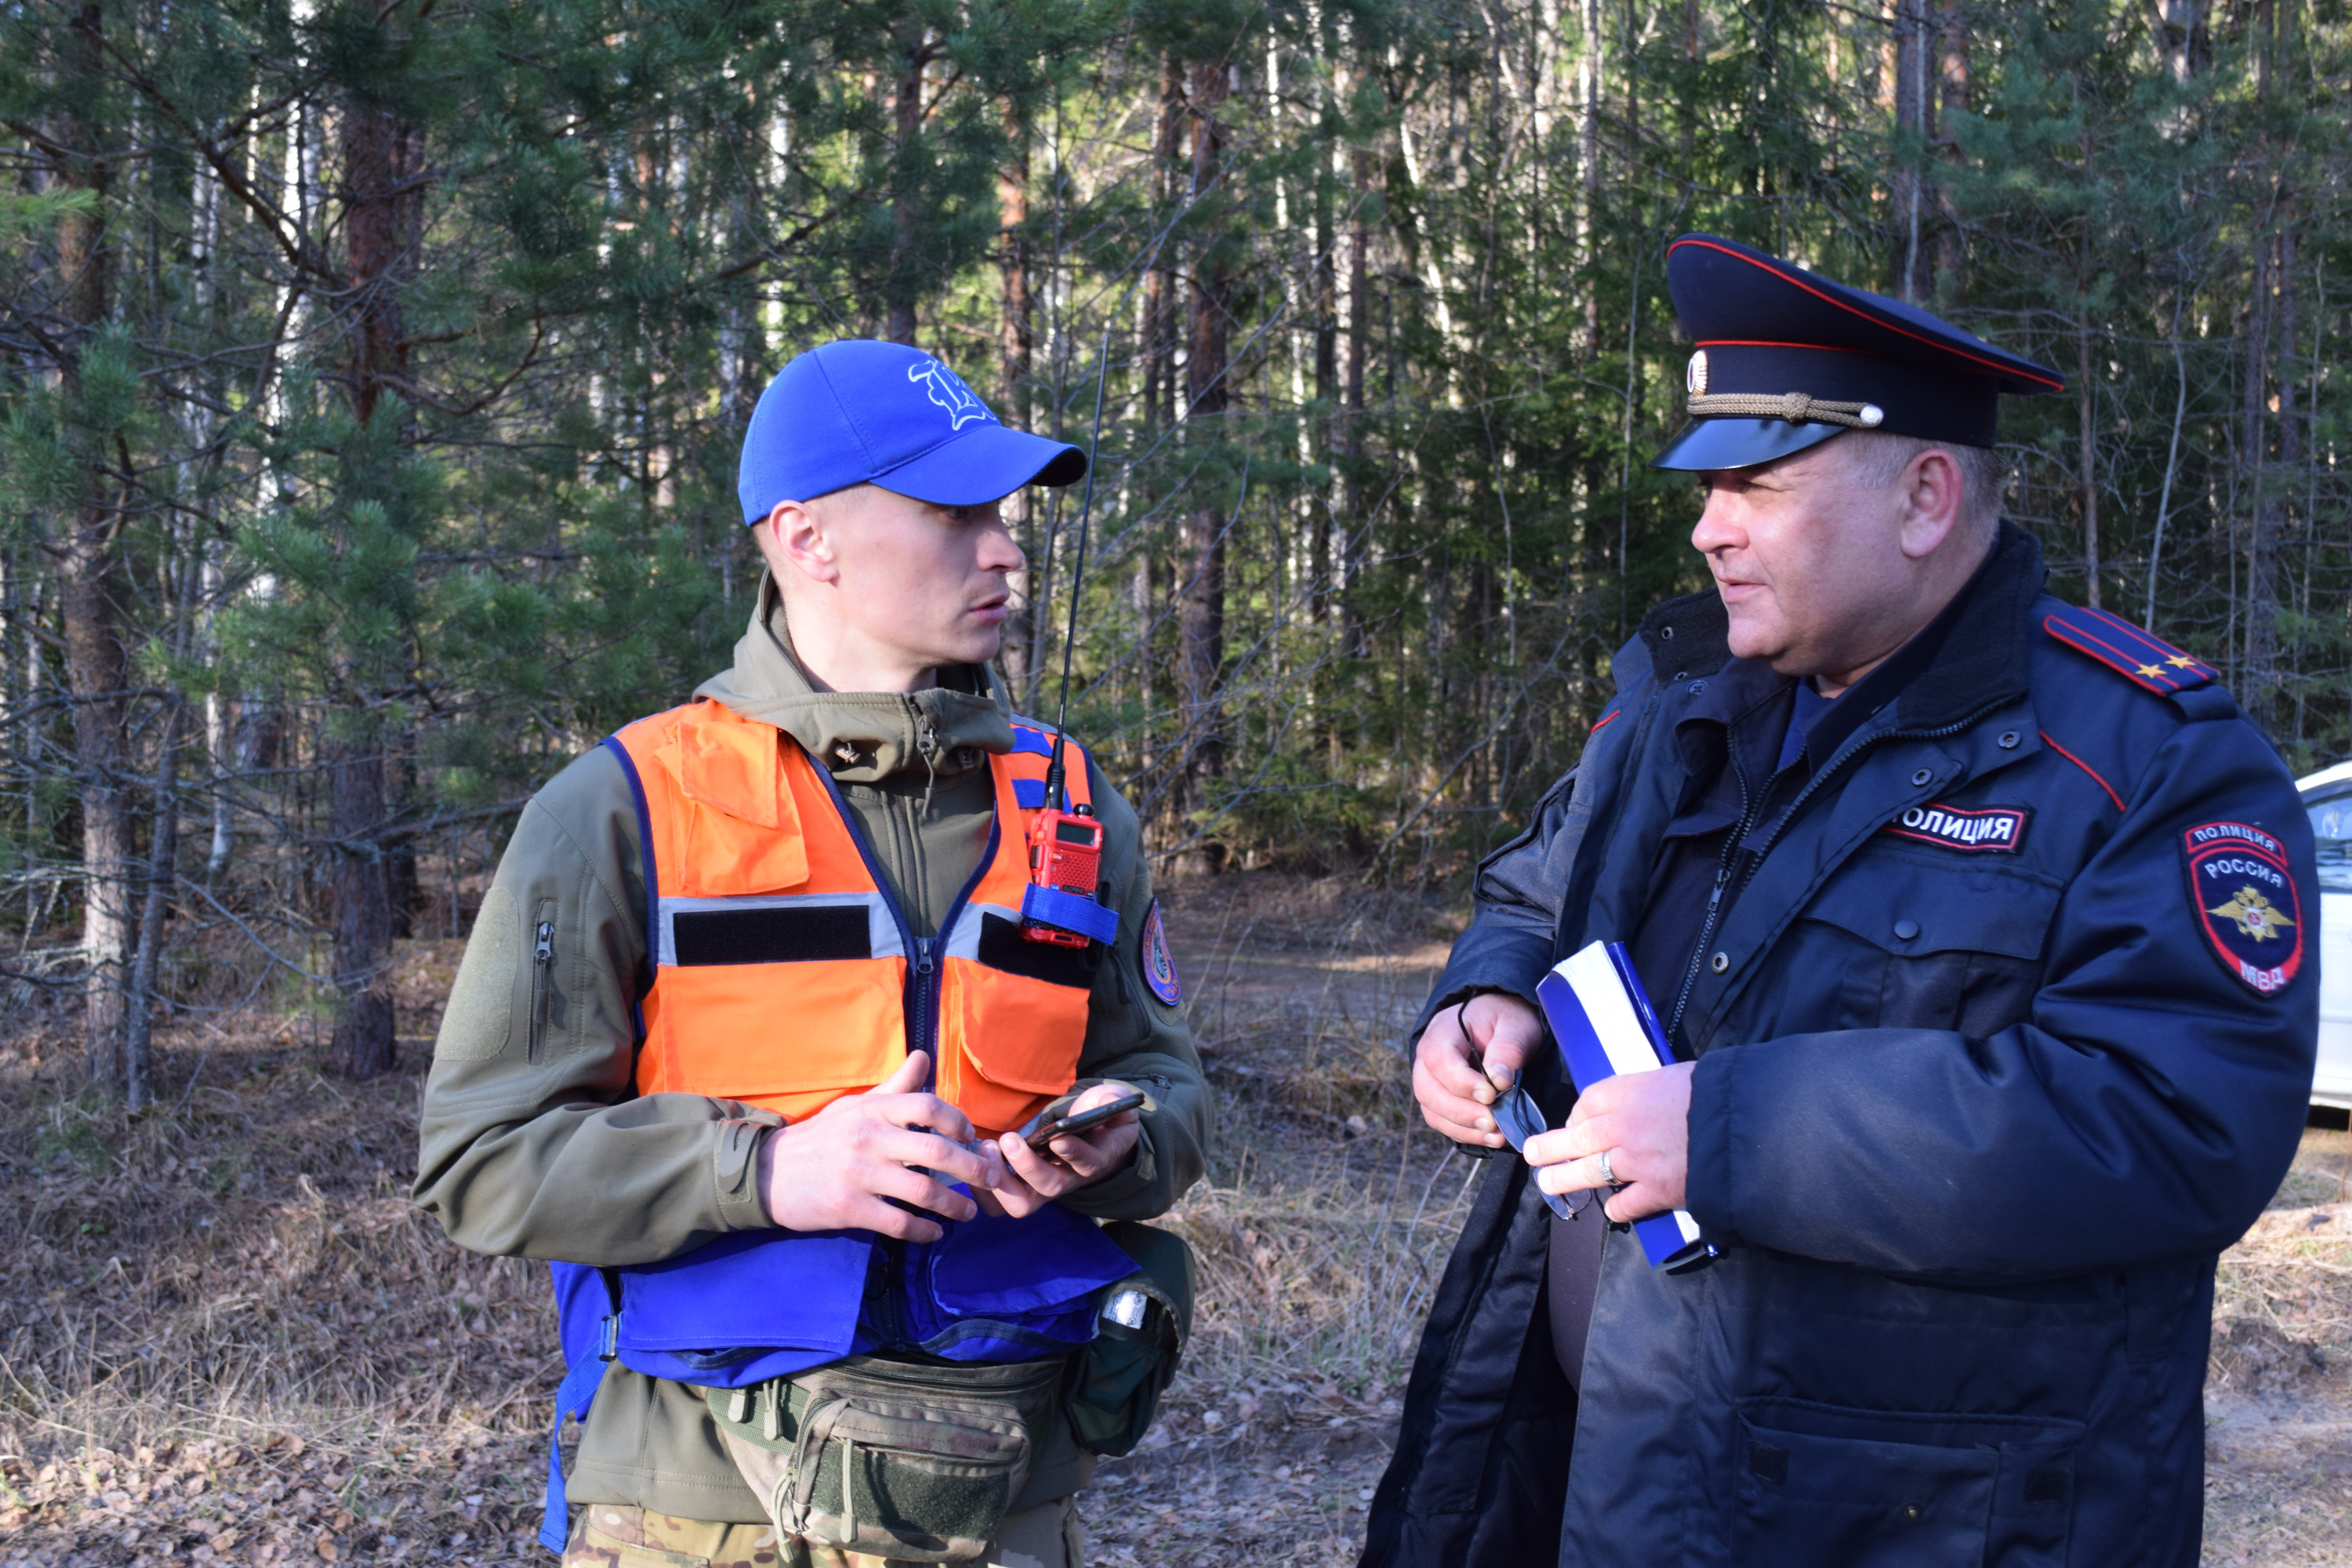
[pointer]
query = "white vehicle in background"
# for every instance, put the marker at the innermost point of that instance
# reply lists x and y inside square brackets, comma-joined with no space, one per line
[2327,796]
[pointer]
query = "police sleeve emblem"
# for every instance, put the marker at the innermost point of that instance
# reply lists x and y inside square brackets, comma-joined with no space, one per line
[2245,899]
[1159,965]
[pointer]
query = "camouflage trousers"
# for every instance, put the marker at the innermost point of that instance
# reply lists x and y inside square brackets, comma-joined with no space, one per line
[606,1535]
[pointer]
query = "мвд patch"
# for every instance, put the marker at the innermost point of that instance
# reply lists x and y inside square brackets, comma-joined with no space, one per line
[2245,899]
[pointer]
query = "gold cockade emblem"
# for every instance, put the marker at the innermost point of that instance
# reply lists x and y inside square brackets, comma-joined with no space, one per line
[2252,914]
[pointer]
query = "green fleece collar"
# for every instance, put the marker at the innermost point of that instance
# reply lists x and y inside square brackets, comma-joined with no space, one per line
[862,737]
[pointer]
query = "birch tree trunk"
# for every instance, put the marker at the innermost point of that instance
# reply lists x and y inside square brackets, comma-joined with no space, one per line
[1201,617]
[1951,250]
[1351,422]
[1015,348]
[2261,684]
[2262,557]
[137,1077]
[1914,252]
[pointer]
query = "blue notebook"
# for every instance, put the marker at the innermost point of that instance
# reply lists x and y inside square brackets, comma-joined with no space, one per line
[1604,1024]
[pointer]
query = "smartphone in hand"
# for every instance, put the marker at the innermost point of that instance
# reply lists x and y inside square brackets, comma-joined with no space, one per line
[1082,1120]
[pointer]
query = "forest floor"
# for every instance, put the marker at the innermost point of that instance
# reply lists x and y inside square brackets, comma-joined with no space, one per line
[225,1338]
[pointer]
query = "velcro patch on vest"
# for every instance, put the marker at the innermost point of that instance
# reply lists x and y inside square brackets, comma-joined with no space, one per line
[1156,961]
[792,934]
[2245,899]
[1972,830]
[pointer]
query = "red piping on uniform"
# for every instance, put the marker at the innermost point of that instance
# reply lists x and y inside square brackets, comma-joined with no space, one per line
[1604,718]
[2109,618]
[2085,767]
[1874,320]
[2124,664]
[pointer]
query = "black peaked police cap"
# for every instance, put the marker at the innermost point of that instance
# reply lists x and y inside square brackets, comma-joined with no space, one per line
[1785,360]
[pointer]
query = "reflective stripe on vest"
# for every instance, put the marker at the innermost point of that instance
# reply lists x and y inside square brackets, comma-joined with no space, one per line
[754,865]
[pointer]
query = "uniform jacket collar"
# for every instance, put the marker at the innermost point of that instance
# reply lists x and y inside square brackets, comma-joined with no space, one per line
[1988,645]
[862,737]
[1974,655]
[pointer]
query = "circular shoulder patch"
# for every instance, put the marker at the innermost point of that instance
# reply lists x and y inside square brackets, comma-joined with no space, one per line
[1159,965]
[2245,900]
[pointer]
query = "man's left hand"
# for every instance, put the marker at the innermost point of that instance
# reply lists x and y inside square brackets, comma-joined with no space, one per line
[1641,1121]
[1032,1178]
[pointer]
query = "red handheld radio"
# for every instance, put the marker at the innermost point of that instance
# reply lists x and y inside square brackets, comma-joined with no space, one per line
[1064,852]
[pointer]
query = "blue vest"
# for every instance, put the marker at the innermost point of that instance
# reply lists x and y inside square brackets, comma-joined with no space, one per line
[763,1304]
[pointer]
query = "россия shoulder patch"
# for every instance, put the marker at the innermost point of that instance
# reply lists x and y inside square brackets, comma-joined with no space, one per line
[1158,963]
[2245,899]
[2148,662]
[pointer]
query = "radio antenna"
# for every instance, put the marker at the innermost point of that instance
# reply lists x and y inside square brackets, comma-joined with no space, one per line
[1078,573]
[1053,769]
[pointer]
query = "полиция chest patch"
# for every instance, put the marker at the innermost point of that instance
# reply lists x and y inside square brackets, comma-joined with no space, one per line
[2245,899]
[1973,830]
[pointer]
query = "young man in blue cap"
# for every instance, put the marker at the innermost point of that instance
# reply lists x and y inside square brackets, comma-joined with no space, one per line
[758,1006]
[1975,922]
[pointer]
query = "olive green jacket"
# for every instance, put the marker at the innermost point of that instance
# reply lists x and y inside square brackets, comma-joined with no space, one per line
[534,1143]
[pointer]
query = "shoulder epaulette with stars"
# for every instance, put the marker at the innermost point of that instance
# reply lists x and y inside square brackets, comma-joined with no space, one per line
[2146,662]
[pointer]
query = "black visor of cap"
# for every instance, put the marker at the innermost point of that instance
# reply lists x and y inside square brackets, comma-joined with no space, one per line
[1767,328]
[1703,445]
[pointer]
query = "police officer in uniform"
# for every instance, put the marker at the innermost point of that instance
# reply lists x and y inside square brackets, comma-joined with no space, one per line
[1979,924]
[760,979]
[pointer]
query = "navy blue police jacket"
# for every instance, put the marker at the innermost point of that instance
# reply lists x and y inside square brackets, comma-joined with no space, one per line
[1971,1124]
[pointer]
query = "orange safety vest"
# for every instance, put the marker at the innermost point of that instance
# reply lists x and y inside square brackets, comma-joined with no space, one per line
[784,973]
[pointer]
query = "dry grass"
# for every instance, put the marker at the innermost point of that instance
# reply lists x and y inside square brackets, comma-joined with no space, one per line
[225,1338]
[229,1337]
[2279,1400]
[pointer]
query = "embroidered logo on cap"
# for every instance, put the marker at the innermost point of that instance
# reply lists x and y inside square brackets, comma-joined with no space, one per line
[1159,965]
[947,390]
[1989,830]
[2245,899]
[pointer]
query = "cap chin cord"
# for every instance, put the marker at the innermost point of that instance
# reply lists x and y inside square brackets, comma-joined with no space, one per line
[1794,407]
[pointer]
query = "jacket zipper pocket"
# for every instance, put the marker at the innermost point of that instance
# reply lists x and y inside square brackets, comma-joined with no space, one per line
[542,971]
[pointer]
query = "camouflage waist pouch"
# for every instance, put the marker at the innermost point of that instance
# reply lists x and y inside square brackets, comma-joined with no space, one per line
[892,1458]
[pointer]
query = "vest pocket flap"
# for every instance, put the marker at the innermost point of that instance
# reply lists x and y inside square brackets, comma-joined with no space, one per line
[992,1264]
[727,855]
[1016,1031]
[1909,909]
[753,1289]
[742,829]
[737,768]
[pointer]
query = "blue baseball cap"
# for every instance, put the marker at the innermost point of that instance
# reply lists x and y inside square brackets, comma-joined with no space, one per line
[861,412]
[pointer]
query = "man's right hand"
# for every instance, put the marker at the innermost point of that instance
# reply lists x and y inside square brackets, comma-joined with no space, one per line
[1468,1057]
[834,1171]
